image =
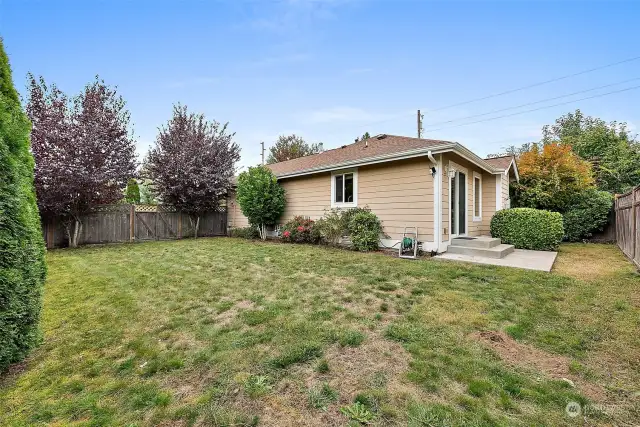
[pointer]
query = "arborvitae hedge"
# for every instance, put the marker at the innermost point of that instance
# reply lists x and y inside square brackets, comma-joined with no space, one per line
[132,194]
[22,267]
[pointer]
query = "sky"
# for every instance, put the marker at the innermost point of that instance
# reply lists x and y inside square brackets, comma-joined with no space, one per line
[330,70]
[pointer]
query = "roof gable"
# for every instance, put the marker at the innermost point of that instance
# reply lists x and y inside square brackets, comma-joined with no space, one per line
[504,163]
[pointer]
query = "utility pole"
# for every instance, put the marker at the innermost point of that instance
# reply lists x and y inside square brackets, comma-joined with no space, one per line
[262,151]
[419,126]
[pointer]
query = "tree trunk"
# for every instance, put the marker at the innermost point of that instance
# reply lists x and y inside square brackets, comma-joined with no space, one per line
[262,231]
[74,234]
[195,224]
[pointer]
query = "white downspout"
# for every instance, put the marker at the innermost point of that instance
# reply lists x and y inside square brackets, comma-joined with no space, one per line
[430,156]
[437,190]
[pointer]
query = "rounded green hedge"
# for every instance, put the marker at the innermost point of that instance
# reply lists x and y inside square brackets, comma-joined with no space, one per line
[527,228]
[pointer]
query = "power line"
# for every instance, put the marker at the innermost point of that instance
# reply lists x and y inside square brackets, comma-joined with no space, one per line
[579,73]
[590,70]
[535,109]
[532,103]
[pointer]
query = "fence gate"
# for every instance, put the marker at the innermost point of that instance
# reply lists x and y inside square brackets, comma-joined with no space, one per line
[156,223]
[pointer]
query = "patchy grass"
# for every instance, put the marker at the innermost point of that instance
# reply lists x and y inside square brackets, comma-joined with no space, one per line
[229,332]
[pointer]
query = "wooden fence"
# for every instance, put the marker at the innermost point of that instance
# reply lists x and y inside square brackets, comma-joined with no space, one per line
[130,223]
[627,209]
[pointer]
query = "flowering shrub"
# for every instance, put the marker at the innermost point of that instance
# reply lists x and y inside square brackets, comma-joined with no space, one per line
[300,230]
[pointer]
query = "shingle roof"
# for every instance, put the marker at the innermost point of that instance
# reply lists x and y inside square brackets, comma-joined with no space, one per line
[502,162]
[375,146]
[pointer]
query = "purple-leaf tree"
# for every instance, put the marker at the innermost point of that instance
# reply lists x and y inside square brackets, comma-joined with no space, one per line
[83,149]
[192,163]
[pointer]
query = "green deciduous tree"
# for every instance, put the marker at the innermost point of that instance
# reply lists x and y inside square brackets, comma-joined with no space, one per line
[611,149]
[22,267]
[147,196]
[132,193]
[550,177]
[261,198]
[554,177]
[291,147]
[588,213]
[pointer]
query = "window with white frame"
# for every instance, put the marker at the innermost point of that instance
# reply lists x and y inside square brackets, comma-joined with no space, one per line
[477,197]
[344,189]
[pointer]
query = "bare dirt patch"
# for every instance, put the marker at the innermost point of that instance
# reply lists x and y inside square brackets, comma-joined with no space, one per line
[227,316]
[13,372]
[554,366]
[377,363]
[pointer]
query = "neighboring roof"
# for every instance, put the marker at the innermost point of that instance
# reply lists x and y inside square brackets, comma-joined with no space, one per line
[502,162]
[375,149]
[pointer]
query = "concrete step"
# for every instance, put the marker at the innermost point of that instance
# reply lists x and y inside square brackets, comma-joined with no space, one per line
[499,251]
[476,242]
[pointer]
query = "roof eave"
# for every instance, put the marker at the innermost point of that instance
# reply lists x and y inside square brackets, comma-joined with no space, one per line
[474,158]
[453,146]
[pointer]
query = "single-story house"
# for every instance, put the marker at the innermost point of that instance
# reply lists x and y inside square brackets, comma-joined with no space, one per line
[440,187]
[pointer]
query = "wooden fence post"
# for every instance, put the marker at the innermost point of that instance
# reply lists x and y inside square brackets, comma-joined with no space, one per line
[51,229]
[132,223]
[180,225]
[634,224]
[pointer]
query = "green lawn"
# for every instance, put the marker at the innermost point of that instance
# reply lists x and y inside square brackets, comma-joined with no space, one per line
[231,332]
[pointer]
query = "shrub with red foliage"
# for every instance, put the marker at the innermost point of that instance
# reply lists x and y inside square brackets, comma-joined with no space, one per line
[300,230]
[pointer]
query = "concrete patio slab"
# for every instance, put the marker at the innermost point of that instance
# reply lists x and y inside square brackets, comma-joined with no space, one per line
[519,258]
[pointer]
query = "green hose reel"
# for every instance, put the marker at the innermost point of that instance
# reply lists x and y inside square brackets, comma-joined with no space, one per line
[409,243]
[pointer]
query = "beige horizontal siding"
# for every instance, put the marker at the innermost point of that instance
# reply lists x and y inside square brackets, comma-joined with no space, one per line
[309,196]
[235,218]
[400,193]
[506,201]
[415,181]
[488,201]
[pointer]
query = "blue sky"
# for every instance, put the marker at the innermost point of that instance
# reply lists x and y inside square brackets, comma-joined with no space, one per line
[330,70]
